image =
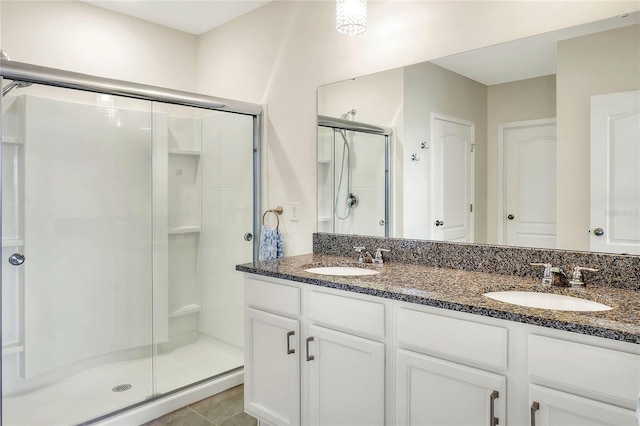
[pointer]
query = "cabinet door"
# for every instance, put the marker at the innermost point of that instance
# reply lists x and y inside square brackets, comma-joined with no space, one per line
[346,379]
[431,391]
[554,408]
[272,368]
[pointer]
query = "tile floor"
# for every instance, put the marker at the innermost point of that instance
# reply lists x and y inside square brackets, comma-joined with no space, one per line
[223,409]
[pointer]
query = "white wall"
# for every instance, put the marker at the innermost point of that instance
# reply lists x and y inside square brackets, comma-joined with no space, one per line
[280,53]
[78,37]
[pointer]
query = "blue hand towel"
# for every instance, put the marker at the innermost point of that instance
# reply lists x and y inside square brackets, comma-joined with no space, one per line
[271,244]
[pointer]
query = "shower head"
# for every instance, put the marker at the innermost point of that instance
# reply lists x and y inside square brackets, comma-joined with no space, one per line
[346,115]
[19,84]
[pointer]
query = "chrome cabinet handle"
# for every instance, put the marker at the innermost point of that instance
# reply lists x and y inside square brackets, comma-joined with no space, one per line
[16,259]
[493,420]
[289,350]
[309,357]
[534,407]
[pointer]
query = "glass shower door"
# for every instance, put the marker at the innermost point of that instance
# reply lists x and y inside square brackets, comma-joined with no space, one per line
[352,181]
[207,192]
[77,261]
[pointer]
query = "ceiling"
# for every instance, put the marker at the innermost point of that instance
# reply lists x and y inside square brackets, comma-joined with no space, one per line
[191,16]
[525,58]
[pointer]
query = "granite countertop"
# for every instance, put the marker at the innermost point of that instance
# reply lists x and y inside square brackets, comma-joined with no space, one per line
[462,291]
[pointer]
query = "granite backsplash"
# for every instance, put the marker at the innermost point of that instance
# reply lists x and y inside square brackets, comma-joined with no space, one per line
[615,270]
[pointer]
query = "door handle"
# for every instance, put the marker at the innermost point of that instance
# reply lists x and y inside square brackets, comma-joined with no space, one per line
[511,217]
[439,222]
[309,357]
[289,350]
[598,232]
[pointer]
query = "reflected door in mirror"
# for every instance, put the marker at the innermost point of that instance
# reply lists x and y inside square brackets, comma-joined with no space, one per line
[615,172]
[452,179]
[529,215]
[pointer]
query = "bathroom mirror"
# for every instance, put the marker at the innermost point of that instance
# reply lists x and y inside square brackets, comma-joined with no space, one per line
[498,145]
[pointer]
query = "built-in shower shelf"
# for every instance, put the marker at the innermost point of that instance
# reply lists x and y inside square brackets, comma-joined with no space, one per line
[12,349]
[184,152]
[184,230]
[12,242]
[323,161]
[185,310]
[11,140]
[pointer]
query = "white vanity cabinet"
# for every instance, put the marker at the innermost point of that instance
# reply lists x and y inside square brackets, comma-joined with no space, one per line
[313,357]
[272,368]
[319,356]
[433,390]
[556,408]
[592,383]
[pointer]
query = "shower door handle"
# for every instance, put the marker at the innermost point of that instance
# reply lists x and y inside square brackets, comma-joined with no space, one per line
[16,259]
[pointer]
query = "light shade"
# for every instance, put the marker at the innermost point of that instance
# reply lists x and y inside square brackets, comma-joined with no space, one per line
[351,16]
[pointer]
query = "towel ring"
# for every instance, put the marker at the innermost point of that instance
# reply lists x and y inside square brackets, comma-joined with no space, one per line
[277,211]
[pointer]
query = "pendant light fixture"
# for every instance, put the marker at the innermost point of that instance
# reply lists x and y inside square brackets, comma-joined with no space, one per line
[351,16]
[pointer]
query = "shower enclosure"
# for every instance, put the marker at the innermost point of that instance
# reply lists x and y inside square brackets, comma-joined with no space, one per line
[354,176]
[125,209]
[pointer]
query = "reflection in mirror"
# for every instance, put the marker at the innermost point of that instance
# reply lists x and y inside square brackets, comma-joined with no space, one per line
[353,176]
[528,143]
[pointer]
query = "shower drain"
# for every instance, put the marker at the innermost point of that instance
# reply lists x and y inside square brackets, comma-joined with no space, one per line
[122,388]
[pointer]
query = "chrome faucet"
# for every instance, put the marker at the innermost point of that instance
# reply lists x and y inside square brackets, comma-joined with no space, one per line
[378,259]
[577,278]
[553,275]
[364,258]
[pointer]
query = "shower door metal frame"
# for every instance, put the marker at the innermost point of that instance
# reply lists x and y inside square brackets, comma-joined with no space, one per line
[387,132]
[18,71]
[29,73]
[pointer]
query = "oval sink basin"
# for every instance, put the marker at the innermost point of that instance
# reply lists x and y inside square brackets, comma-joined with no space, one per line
[344,271]
[557,302]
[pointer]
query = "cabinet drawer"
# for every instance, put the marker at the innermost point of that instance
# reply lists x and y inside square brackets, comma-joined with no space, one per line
[271,296]
[593,370]
[360,316]
[449,337]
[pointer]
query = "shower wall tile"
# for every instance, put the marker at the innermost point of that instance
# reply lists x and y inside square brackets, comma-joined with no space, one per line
[222,307]
[225,151]
[212,230]
[365,217]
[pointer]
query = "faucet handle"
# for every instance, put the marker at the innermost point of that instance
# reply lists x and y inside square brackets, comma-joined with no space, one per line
[379,252]
[358,250]
[546,275]
[577,278]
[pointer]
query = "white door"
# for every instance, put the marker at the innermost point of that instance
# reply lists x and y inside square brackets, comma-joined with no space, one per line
[272,368]
[615,173]
[528,216]
[452,179]
[434,392]
[554,408]
[346,379]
